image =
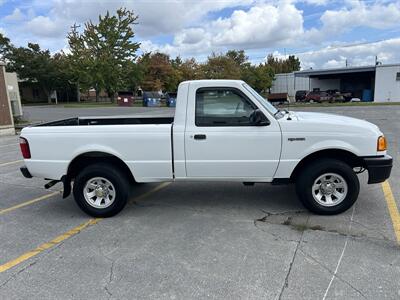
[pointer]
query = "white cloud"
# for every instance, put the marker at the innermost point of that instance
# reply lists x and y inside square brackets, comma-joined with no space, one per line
[356,55]
[45,27]
[16,15]
[262,26]
[379,15]
[316,2]
[258,26]
[155,17]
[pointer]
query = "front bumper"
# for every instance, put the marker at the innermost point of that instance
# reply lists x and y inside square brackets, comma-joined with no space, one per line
[379,168]
[25,172]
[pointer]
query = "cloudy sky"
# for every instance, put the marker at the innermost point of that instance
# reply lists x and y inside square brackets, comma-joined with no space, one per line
[323,33]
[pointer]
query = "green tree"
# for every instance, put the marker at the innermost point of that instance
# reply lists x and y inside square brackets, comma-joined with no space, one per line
[260,76]
[34,65]
[5,46]
[191,69]
[263,77]
[280,65]
[65,80]
[103,50]
[159,74]
[239,56]
[220,67]
[133,76]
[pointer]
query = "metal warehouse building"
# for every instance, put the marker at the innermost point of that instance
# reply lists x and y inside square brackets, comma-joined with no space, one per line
[379,83]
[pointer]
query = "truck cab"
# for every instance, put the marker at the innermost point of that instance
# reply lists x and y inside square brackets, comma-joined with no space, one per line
[226,134]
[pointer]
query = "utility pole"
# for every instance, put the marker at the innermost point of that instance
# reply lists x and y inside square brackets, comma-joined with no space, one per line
[287,80]
[75,27]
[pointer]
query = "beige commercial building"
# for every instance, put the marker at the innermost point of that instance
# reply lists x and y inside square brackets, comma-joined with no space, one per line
[10,101]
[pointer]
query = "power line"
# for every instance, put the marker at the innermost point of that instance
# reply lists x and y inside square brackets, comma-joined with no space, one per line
[329,48]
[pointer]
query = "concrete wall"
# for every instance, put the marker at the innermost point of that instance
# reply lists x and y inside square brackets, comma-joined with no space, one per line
[387,87]
[6,119]
[324,84]
[288,83]
[13,94]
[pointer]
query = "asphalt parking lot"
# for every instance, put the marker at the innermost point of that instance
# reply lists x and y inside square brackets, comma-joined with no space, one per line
[199,240]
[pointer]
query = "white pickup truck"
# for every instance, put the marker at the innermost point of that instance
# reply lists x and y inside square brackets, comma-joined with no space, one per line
[223,130]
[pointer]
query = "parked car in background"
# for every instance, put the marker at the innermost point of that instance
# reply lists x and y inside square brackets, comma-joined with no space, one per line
[336,96]
[125,98]
[170,99]
[301,96]
[151,99]
[318,96]
[347,95]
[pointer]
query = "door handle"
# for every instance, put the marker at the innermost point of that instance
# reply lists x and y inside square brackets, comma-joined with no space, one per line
[200,136]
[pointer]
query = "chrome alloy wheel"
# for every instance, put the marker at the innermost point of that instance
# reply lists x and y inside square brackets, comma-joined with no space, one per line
[99,192]
[329,189]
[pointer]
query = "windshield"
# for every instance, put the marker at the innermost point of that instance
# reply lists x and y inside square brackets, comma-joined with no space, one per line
[264,102]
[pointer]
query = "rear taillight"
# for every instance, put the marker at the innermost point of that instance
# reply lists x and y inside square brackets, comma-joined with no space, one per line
[26,152]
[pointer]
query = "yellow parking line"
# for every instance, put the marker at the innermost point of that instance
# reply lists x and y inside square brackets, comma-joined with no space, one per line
[393,210]
[11,163]
[6,210]
[156,189]
[68,234]
[48,245]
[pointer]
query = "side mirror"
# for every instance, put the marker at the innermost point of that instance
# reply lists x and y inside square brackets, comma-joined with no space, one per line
[257,118]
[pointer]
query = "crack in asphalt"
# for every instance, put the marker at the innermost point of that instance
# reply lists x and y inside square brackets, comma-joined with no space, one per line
[331,272]
[304,226]
[39,257]
[108,292]
[275,236]
[17,273]
[339,262]
[112,266]
[286,283]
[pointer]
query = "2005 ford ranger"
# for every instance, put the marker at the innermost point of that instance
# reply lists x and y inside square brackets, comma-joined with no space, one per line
[223,130]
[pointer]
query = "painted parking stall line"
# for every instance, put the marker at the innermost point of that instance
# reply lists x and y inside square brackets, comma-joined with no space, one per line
[24,257]
[29,202]
[11,163]
[47,245]
[393,209]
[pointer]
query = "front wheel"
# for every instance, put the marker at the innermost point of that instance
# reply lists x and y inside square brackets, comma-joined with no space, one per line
[327,187]
[101,190]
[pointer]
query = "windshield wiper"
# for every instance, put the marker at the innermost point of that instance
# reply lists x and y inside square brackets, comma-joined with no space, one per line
[277,112]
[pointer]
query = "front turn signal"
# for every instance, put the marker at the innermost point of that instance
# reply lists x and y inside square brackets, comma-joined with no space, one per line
[382,143]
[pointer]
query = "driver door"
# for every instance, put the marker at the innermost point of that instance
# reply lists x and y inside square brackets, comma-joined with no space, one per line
[222,143]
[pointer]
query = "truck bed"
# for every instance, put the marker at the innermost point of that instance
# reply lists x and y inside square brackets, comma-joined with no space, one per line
[82,121]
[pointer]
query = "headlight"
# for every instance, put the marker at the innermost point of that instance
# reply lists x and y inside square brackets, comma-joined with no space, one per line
[382,143]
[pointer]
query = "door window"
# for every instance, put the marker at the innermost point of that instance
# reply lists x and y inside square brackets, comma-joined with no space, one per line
[222,107]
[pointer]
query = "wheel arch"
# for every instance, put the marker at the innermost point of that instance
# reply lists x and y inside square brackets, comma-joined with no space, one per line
[343,155]
[92,157]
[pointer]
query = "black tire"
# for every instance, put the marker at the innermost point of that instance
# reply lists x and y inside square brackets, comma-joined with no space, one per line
[312,172]
[113,175]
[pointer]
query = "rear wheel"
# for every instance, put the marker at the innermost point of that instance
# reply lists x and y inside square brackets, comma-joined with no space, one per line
[327,187]
[101,190]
